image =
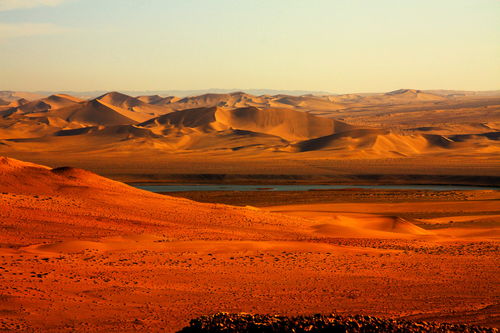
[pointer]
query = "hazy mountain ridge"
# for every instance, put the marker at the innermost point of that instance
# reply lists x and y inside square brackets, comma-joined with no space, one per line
[9,95]
[174,92]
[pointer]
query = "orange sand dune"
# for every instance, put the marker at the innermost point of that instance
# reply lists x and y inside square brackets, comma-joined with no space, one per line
[398,125]
[12,96]
[305,102]
[359,225]
[49,103]
[158,100]
[74,192]
[76,202]
[81,252]
[85,253]
[46,116]
[287,124]
[144,110]
[96,112]
[370,218]
[98,127]
[7,107]
[377,142]
[232,100]
[412,94]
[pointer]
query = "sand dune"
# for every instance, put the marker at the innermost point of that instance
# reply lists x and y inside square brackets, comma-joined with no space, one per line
[12,96]
[115,132]
[83,191]
[38,118]
[290,125]
[232,100]
[23,177]
[239,127]
[45,104]
[62,112]
[241,100]
[370,142]
[65,196]
[158,100]
[84,252]
[61,100]
[371,219]
[7,106]
[287,124]
[141,109]
[97,113]
[344,224]
[218,131]
[366,226]
[412,94]
[304,102]
[46,190]
[16,125]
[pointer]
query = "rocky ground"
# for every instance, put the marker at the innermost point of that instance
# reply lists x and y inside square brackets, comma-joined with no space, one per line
[225,322]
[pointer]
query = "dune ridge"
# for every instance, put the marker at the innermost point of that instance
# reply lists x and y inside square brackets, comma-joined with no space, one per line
[96,193]
[287,124]
[237,131]
[86,253]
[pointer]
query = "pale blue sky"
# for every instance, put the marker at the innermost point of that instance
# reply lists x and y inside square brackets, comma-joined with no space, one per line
[328,45]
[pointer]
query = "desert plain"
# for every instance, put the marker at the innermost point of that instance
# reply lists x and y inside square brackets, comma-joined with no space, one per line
[82,251]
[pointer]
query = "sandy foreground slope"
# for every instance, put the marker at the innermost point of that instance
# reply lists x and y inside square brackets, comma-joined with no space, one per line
[82,252]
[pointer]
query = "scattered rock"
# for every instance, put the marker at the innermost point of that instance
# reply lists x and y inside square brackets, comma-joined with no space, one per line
[225,322]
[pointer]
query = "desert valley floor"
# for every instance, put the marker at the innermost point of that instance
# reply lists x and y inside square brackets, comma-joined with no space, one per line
[82,251]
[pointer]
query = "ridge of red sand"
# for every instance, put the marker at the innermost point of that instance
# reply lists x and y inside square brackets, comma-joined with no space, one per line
[85,253]
[79,200]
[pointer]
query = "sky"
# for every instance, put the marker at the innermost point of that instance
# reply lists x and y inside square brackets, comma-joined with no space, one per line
[337,46]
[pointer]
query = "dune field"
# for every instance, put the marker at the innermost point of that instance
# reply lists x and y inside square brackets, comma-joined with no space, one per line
[249,166]
[152,138]
[82,252]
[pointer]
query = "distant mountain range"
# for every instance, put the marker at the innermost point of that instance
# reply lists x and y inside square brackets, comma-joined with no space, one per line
[190,93]
[180,93]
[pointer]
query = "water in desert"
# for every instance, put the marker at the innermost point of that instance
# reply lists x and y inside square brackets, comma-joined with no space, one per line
[249,166]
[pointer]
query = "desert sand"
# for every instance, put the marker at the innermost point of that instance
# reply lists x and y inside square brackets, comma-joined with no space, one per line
[406,133]
[82,252]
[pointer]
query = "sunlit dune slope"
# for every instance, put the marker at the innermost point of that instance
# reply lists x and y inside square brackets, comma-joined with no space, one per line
[109,109]
[399,124]
[376,142]
[363,143]
[52,102]
[42,204]
[141,110]
[231,100]
[39,204]
[85,253]
[287,124]
[42,105]
[12,96]
[413,94]
[357,225]
[97,113]
[158,100]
